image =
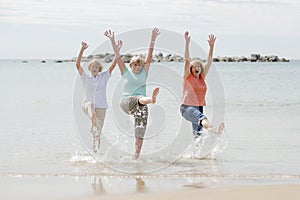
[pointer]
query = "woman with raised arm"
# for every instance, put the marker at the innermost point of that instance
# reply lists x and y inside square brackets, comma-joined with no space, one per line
[94,103]
[134,101]
[194,89]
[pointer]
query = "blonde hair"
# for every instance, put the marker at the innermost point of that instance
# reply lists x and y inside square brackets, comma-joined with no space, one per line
[96,62]
[137,59]
[193,62]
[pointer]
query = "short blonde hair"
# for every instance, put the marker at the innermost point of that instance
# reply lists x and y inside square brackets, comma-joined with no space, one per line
[137,59]
[96,62]
[193,62]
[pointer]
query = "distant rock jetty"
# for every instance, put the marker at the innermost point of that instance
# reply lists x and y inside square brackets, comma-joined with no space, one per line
[252,58]
[107,58]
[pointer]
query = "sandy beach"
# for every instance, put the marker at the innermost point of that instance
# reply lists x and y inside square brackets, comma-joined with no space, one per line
[257,192]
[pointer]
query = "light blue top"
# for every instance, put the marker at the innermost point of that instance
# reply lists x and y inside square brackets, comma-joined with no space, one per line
[135,84]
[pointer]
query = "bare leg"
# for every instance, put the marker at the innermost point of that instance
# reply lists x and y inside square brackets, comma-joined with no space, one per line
[99,125]
[93,118]
[93,131]
[89,109]
[96,137]
[152,99]
[138,147]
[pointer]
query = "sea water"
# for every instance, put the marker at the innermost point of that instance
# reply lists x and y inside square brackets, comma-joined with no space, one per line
[44,133]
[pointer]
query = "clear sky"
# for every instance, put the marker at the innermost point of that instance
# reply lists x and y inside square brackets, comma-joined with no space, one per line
[54,28]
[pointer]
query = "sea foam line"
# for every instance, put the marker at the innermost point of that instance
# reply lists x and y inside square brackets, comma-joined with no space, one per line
[108,175]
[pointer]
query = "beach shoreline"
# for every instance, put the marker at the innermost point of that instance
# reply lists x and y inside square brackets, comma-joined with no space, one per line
[140,187]
[257,192]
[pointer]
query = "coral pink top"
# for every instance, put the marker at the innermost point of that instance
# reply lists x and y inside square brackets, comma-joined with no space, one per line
[194,91]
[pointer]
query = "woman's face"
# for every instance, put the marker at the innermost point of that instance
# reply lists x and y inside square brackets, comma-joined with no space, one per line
[136,67]
[196,69]
[94,69]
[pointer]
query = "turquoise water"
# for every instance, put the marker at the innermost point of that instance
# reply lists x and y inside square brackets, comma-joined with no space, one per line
[39,136]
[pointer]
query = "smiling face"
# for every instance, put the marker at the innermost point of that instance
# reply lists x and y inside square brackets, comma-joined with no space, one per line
[136,68]
[196,68]
[136,64]
[95,67]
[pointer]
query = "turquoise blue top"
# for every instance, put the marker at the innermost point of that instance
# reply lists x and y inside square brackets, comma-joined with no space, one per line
[135,84]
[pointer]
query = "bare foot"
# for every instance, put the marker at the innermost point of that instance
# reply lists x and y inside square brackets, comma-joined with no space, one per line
[218,130]
[221,128]
[154,94]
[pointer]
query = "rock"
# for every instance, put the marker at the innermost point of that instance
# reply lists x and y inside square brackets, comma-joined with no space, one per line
[283,60]
[273,58]
[216,60]
[126,58]
[243,59]
[255,56]
[107,58]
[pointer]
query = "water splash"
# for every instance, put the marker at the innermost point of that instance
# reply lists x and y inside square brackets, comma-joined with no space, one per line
[206,146]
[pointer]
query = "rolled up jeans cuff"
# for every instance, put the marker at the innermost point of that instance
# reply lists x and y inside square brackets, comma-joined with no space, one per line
[200,120]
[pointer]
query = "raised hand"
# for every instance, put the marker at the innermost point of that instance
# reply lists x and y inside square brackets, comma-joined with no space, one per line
[119,45]
[84,45]
[187,37]
[110,34]
[155,33]
[211,40]
[117,58]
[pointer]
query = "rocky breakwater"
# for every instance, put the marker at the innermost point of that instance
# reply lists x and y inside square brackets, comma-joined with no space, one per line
[107,58]
[252,58]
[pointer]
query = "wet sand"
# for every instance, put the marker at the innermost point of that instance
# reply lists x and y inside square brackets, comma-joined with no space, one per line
[257,192]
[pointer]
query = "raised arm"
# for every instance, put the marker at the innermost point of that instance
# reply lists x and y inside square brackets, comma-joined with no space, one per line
[84,46]
[113,64]
[187,55]
[120,62]
[211,41]
[155,33]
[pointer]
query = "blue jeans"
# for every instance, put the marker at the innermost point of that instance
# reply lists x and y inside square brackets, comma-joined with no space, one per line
[195,115]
